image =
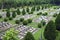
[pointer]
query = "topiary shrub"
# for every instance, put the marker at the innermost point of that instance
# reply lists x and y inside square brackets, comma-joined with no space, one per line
[17,21]
[10,18]
[0,16]
[5,19]
[18,11]
[14,14]
[23,12]
[31,12]
[39,25]
[8,13]
[54,15]
[21,19]
[27,9]
[45,14]
[25,22]
[29,20]
[57,22]
[39,13]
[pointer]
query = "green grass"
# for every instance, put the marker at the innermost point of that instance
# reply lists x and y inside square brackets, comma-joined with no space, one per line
[38,34]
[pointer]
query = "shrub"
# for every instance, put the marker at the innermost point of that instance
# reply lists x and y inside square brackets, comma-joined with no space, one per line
[39,25]
[25,22]
[18,11]
[8,13]
[50,31]
[0,16]
[5,19]
[23,12]
[57,22]
[13,14]
[17,21]
[31,12]
[39,13]
[45,14]
[29,36]
[10,18]
[27,9]
[29,20]
[54,15]
[33,8]
[21,19]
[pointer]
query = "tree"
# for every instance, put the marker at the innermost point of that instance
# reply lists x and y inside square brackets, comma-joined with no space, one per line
[29,36]
[18,11]
[23,12]
[21,19]
[11,35]
[13,14]
[50,31]
[10,18]
[8,13]
[57,22]
[25,22]
[27,9]
[5,19]
[39,25]
[17,21]
[29,20]
[0,16]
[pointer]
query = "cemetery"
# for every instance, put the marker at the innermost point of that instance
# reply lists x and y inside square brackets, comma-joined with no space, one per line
[30,20]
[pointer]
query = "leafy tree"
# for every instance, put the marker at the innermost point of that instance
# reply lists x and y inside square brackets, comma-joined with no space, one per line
[50,31]
[39,25]
[11,35]
[29,36]
[33,8]
[0,16]
[27,9]
[17,21]
[18,11]
[25,22]
[8,13]
[23,12]
[29,20]
[21,19]
[57,22]
[13,14]
[31,12]
[10,18]
[5,19]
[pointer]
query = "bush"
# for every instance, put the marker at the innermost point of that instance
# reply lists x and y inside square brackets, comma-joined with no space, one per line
[29,20]
[18,11]
[8,13]
[5,19]
[45,14]
[17,21]
[23,12]
[43,22]
[57,22]
[54,15]
[31,12]
[29,36]
[50,31]
[33,8]
[39,25]
[0,16]
[38,8]
[27,9]
[39,13]
[21,19]
[10,18]
[13,14]
[25,22]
